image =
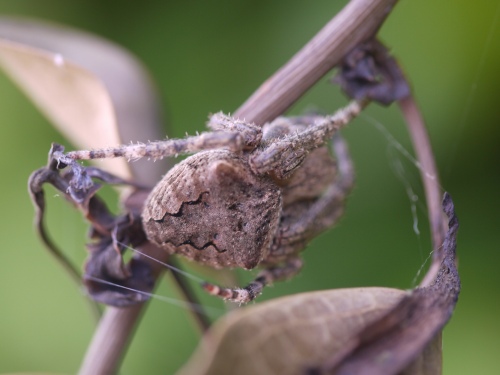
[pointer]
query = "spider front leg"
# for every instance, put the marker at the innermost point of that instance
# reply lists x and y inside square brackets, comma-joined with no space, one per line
[159,149]
[302,220]
[267,276]
[282,157]
[251,133]
[229,133]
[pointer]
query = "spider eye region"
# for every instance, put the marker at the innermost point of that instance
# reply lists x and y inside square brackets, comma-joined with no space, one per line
[212,209]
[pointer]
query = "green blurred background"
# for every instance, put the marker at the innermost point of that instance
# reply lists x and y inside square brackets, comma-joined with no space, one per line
[210,56]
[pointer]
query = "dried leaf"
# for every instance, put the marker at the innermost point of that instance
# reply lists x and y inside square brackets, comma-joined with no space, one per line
[289,335]
[429,362]
[107,278]
[71,97]
[369,72]
[96,93]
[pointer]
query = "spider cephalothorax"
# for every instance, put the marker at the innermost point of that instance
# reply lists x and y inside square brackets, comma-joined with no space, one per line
[250,197]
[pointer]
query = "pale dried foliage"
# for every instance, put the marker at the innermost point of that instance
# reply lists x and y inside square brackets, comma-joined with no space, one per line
[93,91]
[291,334]
[73,99]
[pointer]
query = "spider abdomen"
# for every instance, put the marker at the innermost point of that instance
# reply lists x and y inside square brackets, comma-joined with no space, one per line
[212,209]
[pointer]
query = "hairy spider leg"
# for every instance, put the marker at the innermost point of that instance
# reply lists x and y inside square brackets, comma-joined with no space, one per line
[160,149]
[285,155]
[321,214]
[251,133]
[267,276]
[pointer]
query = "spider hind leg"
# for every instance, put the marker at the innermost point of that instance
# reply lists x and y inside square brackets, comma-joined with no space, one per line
[267,276]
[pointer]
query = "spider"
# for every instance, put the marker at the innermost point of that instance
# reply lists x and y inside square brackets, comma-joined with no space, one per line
[248,197]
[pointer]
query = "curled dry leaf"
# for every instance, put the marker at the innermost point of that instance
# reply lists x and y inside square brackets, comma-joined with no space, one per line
[110,234]
[289,335]
[96,93]
[370,72]
[68,95]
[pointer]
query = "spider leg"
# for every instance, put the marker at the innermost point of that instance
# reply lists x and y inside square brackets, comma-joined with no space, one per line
[229,132]
[304,220]
[251,133]
[159,149]
[267,276]
[285,155]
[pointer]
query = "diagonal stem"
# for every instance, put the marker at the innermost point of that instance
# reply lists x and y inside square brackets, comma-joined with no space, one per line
[356,23]
[430,179]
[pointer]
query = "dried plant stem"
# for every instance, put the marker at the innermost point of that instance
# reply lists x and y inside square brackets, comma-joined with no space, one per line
[116,327]
[418,319]
[430,180]
[357,22]
[118,324]
[110,340]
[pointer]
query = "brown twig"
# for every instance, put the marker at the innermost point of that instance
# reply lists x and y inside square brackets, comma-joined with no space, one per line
[430,179]
[115,330]
[357,22]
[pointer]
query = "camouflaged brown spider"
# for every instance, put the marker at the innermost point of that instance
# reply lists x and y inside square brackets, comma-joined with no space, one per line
[249,197]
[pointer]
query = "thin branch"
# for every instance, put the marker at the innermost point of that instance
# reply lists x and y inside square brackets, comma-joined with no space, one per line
[116,328]
[110,340]
[430,179]
[357,22]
